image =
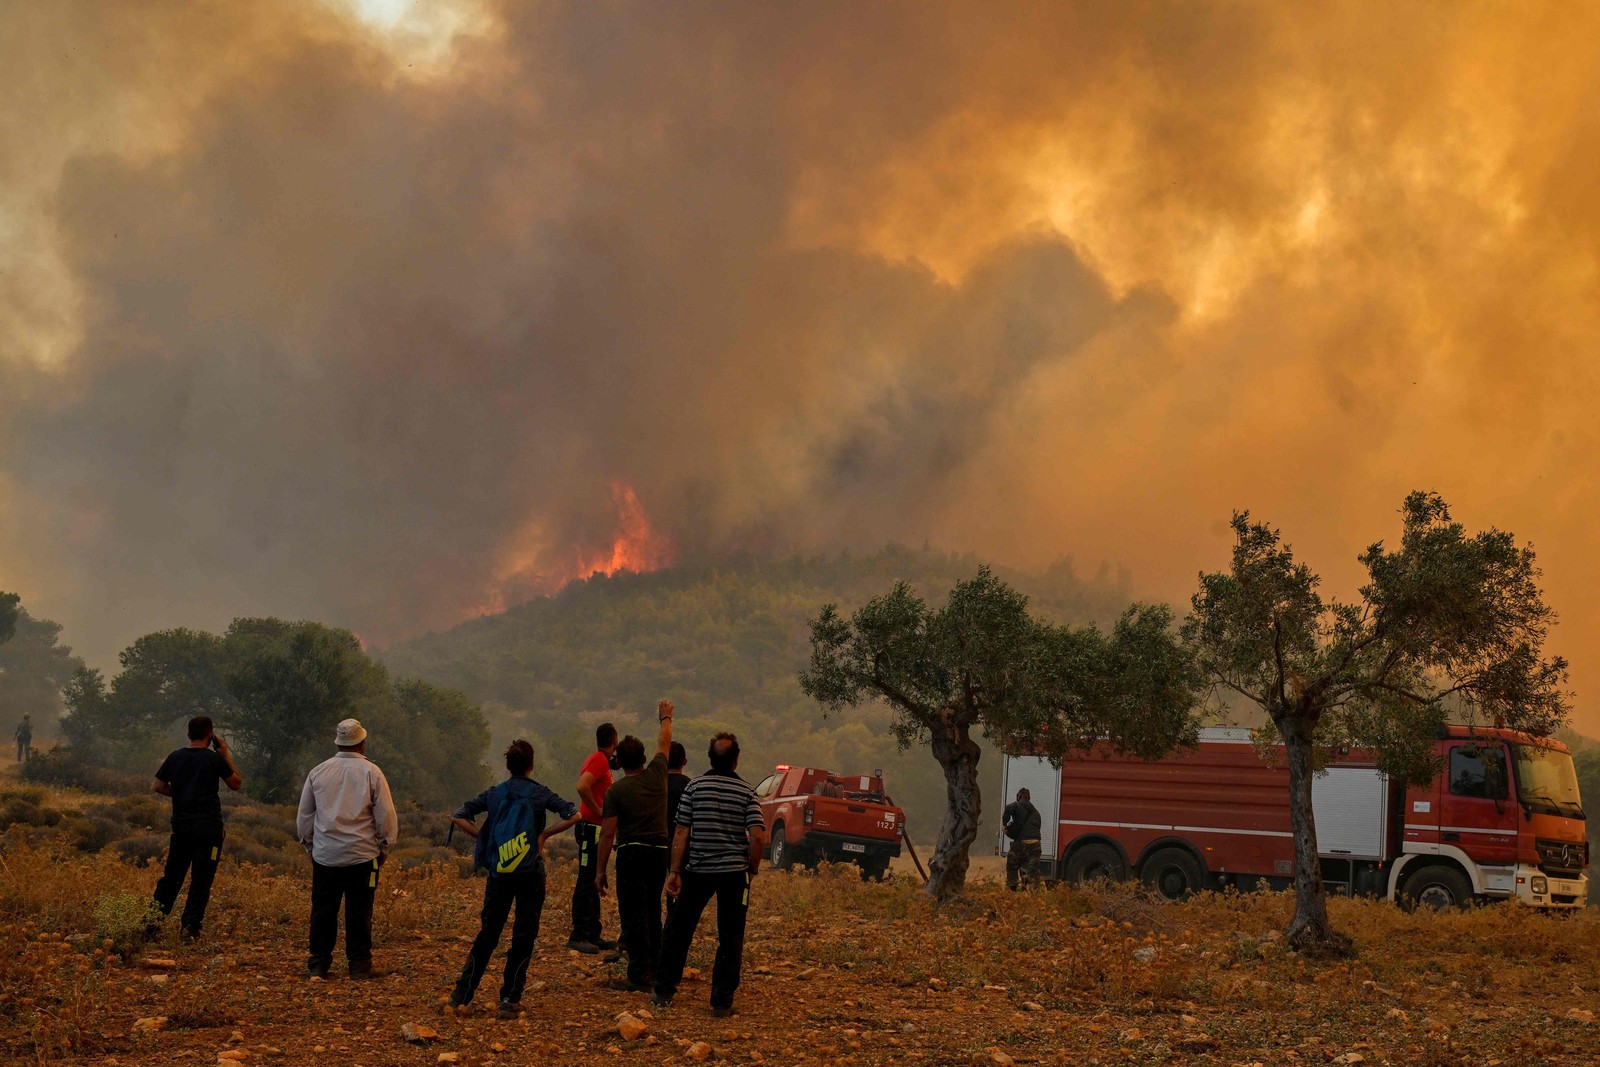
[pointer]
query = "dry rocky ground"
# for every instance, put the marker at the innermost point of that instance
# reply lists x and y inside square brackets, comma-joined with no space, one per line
[837,972]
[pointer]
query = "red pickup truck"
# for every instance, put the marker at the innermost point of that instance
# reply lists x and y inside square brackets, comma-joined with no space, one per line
[813,815]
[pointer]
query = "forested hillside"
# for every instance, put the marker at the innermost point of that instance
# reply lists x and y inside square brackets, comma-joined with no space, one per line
[725,642]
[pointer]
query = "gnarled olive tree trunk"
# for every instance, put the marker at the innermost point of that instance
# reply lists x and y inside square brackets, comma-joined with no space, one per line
[1309,929]
[958,754]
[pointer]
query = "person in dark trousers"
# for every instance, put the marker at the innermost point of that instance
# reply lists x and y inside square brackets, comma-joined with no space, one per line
[634,819]
[24,736]
[516,875]
[716,851]
[348,823]
[190,776]
[1021,823]
[677,780]
[593,781]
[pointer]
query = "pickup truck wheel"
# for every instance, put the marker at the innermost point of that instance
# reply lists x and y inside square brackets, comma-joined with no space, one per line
[782,854]
[1438,887]
[1095,863]
[1173,873]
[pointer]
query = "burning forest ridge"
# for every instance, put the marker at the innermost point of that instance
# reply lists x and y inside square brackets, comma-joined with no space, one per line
[532,567]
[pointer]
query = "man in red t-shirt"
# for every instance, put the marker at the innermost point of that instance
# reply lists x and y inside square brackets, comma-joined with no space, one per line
[593,782]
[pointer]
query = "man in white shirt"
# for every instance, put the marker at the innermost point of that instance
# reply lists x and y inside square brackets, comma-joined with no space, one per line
[348,823]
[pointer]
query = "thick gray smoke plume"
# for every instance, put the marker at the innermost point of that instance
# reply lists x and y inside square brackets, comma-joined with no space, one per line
[304,315]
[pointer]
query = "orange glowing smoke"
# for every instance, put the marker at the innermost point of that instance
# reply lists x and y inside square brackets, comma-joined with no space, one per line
[532,567]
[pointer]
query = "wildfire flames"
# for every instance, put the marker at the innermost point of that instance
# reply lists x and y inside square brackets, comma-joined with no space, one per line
[534,568]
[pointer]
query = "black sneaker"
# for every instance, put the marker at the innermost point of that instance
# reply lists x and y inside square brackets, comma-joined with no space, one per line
[314,971]
[659,1001]
[364,974]
[604,942]
[584,947]
[722,1013]
[510,1009]
[457,1000]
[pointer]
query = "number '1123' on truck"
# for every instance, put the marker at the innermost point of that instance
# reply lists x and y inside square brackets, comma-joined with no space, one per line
[1502,820]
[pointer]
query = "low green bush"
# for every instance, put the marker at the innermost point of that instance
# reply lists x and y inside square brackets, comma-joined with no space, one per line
[122,918]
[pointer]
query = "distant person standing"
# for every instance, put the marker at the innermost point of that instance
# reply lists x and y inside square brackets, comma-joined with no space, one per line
[190,777]
[716,851]
[24,736]
[348,823]
[635,820]
[1021,823]
[511,849]
[593,781]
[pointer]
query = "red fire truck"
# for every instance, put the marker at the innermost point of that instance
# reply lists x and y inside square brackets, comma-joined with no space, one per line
[1503,820]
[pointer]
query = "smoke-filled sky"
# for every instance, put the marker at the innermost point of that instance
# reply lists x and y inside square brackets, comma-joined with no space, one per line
[373,312]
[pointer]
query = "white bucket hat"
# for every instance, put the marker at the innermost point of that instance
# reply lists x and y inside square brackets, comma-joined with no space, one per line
[349,734]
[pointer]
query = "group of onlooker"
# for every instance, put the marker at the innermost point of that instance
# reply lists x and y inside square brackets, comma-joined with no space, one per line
[696,839]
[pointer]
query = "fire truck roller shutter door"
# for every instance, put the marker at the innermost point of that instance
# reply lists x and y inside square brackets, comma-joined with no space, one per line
[1043,780]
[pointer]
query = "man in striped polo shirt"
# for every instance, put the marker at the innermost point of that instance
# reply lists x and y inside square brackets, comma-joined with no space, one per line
[716,851]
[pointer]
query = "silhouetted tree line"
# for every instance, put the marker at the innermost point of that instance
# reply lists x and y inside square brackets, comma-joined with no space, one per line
[276,689]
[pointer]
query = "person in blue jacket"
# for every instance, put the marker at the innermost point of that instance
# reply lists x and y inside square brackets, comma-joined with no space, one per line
[511,848]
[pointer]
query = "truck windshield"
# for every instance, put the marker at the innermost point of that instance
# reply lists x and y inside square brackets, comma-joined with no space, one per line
[1546,781]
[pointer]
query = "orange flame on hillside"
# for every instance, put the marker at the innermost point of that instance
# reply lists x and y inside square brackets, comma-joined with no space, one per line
[532,568]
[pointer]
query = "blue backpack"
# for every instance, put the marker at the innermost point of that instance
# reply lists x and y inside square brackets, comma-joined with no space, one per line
[511,832]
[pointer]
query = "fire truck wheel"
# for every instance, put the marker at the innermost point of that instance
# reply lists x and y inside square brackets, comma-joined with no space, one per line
[782,854]
[1092,863]
[1173,873]
[874,870]
[1438,887]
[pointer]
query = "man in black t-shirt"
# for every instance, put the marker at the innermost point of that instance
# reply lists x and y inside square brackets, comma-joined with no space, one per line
[190,777]
[635,819]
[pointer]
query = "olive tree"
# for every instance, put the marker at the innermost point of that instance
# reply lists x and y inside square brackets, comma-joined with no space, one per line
[982,662]
[1447,623]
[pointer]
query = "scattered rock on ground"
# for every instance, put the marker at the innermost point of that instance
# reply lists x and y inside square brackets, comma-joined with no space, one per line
[630,1028]
[418,1035]
[151,1024]
[697,1051]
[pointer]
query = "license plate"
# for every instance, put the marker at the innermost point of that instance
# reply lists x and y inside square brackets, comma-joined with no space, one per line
[851,846]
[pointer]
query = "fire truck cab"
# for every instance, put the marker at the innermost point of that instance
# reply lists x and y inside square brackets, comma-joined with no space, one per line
[1502,820]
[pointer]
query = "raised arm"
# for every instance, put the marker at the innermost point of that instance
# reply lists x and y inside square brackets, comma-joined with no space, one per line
[664,734]
[234,780]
